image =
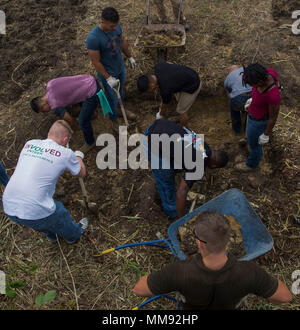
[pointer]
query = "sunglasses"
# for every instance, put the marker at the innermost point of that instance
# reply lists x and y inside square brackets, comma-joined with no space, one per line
[199,238]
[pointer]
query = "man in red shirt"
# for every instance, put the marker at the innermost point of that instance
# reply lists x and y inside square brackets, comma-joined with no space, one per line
[263,111]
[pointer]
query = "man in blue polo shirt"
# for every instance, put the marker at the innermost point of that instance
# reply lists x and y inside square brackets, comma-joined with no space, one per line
[105,45]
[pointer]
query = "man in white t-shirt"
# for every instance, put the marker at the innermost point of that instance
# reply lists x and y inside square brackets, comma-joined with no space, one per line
[28,196]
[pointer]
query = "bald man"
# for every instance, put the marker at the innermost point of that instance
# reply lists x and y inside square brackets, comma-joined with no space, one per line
[28,196]
[238,94]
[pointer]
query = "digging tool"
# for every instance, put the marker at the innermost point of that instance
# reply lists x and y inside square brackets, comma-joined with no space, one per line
[85,202]
[117,91]
[192,196]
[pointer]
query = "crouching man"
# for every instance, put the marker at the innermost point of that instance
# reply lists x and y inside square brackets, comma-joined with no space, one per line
[210,279]
[28,196]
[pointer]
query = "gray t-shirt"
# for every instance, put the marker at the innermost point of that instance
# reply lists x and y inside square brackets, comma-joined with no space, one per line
[233,84]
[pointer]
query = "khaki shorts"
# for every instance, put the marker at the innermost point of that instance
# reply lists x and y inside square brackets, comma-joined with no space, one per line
[186,100]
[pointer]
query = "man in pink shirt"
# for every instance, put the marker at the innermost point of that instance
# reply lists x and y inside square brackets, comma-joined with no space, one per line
[263,111]
[65,91]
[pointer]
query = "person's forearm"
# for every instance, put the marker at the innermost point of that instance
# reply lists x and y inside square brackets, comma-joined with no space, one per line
[125,48]
[82,172]
[271,124]
[163,109]
[101,70]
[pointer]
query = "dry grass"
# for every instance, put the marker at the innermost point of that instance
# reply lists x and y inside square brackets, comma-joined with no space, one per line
[222,34]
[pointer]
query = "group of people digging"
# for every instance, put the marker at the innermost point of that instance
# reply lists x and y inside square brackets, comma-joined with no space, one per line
[209,280]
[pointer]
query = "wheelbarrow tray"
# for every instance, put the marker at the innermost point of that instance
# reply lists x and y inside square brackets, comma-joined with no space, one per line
[257,239]
[161,27]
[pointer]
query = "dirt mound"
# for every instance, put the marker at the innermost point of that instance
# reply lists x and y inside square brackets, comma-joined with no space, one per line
[39,34]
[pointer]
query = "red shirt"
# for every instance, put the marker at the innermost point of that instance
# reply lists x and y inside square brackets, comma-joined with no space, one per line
[259,106]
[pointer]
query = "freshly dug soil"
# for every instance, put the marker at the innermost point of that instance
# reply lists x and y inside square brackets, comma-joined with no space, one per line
[235,245]
[160,38]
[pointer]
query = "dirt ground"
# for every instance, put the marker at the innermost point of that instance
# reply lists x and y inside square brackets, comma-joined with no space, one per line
[46,39]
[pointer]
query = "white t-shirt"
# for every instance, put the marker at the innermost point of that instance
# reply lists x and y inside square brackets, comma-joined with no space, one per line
[29,192]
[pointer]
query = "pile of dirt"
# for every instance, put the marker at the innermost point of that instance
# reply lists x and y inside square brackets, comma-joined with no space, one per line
[39,35]
[160,38]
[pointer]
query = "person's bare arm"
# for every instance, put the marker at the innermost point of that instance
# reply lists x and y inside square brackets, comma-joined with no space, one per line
[163,109]
[181,195]
[125,47]
[273,115]
[68,118]
[82,172]
[141,288]
[95,59]
[282,294]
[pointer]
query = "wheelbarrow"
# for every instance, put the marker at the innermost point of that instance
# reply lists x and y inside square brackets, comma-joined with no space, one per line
[232,202]
[167,28]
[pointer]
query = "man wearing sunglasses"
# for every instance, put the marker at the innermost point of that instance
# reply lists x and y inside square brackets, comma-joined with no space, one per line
[211,279]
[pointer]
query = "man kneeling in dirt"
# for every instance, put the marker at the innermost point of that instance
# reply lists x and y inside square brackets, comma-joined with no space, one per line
[28,196]
[172,79]
[211,280]
[65,91]
[184,150]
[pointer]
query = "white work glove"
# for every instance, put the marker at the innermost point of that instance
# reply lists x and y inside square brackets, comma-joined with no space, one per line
[159,116]
[247,104]
[113,82]
[263,139]
[131,61]
[79,154]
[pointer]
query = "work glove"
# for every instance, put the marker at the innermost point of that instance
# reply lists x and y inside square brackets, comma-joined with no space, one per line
[113,82]
[79,154]
[247,104]
[131,61]
[159,116]
[263,139]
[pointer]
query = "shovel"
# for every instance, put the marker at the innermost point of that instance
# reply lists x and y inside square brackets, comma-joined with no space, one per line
[85,202]
[117,91]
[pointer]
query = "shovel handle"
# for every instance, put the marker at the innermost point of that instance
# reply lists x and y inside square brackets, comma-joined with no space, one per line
[117,91]
[84,192]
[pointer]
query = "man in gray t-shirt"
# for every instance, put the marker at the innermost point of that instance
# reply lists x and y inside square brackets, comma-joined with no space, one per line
[238,94]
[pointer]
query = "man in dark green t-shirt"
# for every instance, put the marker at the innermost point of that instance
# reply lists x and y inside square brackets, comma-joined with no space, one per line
[210,279]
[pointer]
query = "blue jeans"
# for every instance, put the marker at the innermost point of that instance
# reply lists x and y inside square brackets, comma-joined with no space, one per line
[59,223]
[111,95]
[87,110]
[254,130]
[165,181]
[236,104]
[3,176]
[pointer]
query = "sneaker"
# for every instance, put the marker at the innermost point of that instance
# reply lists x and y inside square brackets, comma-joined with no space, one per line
[83,224]
[87,147]
[242,167]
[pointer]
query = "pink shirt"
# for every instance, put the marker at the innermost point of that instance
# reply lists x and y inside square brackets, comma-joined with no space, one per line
[64,91]
[259,106]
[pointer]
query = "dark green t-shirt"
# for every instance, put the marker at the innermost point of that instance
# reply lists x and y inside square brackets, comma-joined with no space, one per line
[213,289]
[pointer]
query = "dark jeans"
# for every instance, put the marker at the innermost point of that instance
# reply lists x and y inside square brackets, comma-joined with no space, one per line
[59,223]
[111,95]
[3,176]
[87,110]
[236,105]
